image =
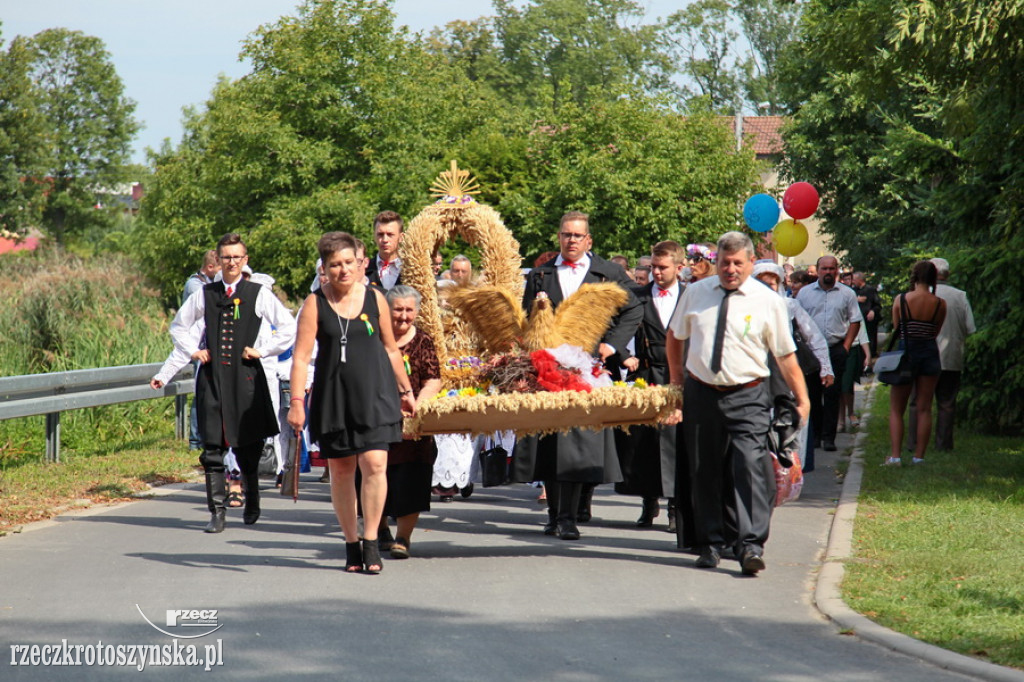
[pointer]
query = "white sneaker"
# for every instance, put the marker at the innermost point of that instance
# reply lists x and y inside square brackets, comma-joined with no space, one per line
[892,462]
[918,460]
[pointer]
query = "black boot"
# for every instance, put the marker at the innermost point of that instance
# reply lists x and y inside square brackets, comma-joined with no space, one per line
[672,524]
[583,515]
[251,481]
[551,491]
[649,513]
[216,494]
[569,495]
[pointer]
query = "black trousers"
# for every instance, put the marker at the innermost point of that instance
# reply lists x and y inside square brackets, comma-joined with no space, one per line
[725,435]
[830,395]
[248,457]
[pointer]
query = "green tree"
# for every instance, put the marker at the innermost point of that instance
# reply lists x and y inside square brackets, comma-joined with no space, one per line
[343,115]
[88,121]
[642,172]
[561,51]
[768,26]
[22,130]
[908,117]
[701,43]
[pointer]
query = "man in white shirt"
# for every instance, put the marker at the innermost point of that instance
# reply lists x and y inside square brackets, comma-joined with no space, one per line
[235,408]
[386,267]
[732,323]
[958,326]
[833,307]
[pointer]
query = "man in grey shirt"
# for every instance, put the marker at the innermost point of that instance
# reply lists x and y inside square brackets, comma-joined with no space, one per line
[833,307]
[958,325]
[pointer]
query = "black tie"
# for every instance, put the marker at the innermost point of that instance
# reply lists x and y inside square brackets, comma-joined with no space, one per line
[723,311]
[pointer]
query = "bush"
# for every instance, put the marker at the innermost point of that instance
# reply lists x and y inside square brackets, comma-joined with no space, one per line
[64,313]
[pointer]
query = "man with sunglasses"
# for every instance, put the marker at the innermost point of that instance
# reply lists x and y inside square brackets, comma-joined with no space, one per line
[571,464]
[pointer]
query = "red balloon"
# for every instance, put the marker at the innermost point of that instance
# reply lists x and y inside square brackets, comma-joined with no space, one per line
[800,200]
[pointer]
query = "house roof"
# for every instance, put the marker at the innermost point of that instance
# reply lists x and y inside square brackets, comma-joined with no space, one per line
[761,133]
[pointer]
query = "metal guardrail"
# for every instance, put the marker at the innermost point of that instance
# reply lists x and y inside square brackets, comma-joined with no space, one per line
[50,394]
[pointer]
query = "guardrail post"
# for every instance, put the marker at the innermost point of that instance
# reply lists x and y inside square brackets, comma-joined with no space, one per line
[181,416]
[53,437]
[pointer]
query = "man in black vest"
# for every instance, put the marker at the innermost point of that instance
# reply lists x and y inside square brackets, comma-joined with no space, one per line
[235,409]
[647,454]
[569,462]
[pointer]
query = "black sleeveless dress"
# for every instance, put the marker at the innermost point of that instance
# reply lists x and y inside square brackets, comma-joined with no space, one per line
[354,405]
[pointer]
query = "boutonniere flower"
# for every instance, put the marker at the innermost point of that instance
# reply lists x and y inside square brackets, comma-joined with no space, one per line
[237,302]
[366,321]
[747,328]
[408,367]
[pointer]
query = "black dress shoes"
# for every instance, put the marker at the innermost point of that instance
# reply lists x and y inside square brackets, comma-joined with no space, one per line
[551,528]
[708,558]
[671,517]
[567,530]
[830,446]
[649,513]
[752,562]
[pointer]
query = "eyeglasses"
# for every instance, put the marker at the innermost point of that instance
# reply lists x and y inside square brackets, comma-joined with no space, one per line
[569,236]
[228,259]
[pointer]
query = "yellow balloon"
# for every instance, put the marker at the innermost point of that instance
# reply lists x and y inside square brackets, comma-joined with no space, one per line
[789,237]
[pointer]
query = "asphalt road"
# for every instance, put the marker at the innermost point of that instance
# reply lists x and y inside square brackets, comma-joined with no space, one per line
[485,596]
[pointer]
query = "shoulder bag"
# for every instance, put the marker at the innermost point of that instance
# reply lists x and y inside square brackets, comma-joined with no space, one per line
[893,366]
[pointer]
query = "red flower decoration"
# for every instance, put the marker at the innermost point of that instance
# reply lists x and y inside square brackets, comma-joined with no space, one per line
[553,377]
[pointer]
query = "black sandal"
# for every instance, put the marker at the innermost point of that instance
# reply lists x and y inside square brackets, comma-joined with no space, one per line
[372,563]
[353,557]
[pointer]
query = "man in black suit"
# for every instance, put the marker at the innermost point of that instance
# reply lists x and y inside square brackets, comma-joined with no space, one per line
[385,270]
[870,309]
[647,454]
[569,462]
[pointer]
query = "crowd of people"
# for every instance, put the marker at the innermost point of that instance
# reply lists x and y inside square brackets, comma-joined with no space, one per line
[734,333]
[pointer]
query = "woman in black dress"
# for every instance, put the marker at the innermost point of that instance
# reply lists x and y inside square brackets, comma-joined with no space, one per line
[360,390]
[410,462]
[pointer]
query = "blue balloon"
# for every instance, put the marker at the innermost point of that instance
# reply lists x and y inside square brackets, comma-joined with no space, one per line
[761,212]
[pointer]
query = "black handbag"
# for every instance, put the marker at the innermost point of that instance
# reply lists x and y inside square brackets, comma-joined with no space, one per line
[494,466]
[893,366]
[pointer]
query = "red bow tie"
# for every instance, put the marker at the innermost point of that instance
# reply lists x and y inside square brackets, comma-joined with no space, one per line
[571,264]
[663,292]
[385,263]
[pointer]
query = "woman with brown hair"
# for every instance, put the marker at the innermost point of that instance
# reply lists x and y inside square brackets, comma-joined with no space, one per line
[917,317]
[360,391]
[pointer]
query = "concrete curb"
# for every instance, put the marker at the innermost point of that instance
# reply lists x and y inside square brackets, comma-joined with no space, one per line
[828,596]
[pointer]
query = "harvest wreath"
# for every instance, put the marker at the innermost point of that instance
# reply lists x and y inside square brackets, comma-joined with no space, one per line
[501,370]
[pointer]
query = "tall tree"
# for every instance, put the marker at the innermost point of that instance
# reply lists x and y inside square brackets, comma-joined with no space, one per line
[769,27]
[89,124]
[561,51]
[22,142]
[640,170]
[701,43]
[909,117]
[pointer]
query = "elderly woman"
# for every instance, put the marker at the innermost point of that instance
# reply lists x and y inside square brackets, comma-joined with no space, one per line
[410,462]
[812,349]
[360,391]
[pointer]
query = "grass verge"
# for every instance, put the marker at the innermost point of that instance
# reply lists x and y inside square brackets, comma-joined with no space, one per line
[938,546]
[33,491]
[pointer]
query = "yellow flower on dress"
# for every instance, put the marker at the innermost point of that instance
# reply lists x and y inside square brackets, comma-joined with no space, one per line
[747,328]
[366,321]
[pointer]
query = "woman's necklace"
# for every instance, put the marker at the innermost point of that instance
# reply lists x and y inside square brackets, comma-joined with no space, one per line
[343,326]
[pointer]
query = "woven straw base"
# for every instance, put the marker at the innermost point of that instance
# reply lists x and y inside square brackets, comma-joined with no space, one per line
[541,413]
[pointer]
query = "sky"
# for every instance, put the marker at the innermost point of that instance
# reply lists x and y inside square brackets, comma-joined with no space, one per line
[170,53]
